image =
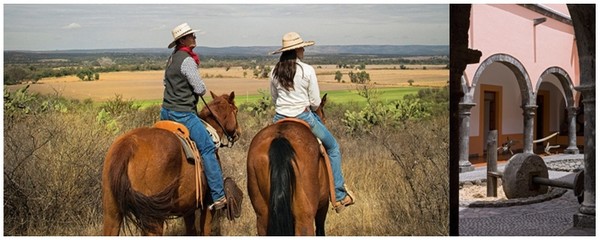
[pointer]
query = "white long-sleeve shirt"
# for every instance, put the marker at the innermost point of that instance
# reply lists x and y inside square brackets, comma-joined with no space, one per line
[305,93]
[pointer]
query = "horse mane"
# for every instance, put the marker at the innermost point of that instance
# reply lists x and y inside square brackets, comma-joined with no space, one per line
[144,211]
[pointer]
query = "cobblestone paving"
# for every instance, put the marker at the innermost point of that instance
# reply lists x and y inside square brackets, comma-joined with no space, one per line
[550,218]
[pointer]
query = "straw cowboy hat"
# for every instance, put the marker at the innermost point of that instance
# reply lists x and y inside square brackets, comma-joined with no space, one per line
[180,31]
[292,40]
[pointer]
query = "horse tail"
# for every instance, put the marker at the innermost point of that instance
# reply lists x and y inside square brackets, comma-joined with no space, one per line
[146,212]
[281,219]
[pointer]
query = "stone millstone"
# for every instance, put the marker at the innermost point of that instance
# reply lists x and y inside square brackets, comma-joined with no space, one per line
[518,176]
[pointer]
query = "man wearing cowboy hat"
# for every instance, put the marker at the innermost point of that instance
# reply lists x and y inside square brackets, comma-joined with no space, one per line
[183,86]
[295,93]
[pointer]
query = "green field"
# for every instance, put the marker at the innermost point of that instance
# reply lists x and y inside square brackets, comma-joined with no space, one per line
[338,96]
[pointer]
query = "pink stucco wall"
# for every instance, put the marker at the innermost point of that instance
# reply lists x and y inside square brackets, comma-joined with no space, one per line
[509,29]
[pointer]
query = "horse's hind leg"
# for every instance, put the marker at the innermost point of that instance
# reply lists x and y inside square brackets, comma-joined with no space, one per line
[206,218]
[190,226]
[320,221]
[112,218]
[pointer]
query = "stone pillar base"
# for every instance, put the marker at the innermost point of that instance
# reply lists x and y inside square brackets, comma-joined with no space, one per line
[581,220]
[570,150]
[465,168]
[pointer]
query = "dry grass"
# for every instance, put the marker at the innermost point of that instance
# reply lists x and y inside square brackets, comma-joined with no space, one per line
[54,169]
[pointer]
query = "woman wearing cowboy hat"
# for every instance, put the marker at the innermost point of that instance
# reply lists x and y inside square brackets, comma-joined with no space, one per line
[295,91]
[183,86]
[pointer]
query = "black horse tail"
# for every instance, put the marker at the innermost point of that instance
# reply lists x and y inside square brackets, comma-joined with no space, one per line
[281,220]
[146,212]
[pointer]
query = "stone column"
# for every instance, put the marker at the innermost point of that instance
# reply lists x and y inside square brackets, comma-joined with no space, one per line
[528,113]
[572,149]
[586,217]
[584,23]
[464,114]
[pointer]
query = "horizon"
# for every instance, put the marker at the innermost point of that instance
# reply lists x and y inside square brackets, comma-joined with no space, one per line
[61,27]
[166,49]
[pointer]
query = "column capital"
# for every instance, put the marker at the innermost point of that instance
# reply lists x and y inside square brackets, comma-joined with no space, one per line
[572,110]
[529,110]
[466,105]
[586,88]
[465,108]
[588,93]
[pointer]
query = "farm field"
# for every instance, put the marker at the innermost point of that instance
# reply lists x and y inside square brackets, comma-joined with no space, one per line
[148,86]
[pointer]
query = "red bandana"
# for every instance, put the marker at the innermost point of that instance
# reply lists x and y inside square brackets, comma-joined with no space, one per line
[191,53]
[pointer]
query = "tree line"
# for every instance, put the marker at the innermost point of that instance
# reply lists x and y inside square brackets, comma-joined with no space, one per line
[32,66]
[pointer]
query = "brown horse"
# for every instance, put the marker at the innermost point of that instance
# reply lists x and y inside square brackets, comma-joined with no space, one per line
[287,180]
[147,179]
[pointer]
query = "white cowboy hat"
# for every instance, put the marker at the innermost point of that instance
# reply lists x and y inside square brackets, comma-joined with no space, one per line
[180,31]
[292,40]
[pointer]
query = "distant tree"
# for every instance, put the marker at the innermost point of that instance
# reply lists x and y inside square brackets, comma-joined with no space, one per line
[81,76]
[87,74]
[265,72]
[353,77]
[262,71]
[15,75]
[402,67]
[410,82]
[105,62]
[363,77]
[256,72]
[338,76]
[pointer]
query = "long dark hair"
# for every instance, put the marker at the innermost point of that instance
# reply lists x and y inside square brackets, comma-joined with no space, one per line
[285,69]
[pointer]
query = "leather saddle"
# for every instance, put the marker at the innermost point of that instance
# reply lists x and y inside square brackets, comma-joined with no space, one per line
[189,146]
[233,193]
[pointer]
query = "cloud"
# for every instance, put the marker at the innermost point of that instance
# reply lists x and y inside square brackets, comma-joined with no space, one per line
[72,26]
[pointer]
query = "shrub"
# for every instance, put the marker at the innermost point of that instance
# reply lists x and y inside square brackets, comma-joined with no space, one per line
[426,103]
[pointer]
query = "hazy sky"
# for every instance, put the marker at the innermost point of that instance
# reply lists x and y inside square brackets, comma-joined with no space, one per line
[102,26]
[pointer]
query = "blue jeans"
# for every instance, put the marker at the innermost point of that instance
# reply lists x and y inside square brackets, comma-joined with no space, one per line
[207,148]
[333,150]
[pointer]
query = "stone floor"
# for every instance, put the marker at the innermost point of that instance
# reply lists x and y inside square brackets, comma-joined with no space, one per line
[549,218]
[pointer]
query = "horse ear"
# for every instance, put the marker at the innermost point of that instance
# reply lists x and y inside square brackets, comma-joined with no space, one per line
[231,96]
[324,98]
[213,95]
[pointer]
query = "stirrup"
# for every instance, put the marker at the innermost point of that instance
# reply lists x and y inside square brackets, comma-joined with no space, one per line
[341,205]
[221,203]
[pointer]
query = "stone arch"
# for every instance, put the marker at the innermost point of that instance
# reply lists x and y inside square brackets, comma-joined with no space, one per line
[516,67]
[565,82]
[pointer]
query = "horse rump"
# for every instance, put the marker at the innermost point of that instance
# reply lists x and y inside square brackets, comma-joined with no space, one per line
[145,212]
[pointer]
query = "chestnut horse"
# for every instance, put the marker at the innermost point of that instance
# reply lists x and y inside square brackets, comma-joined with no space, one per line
[287,180]
[147,178]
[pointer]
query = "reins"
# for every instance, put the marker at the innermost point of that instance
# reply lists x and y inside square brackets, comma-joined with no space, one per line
[230,141]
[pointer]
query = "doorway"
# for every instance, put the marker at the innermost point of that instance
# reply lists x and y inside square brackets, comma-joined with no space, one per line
[490,115]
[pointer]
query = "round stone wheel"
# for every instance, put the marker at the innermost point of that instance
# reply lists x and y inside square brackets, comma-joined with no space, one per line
[518,176]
